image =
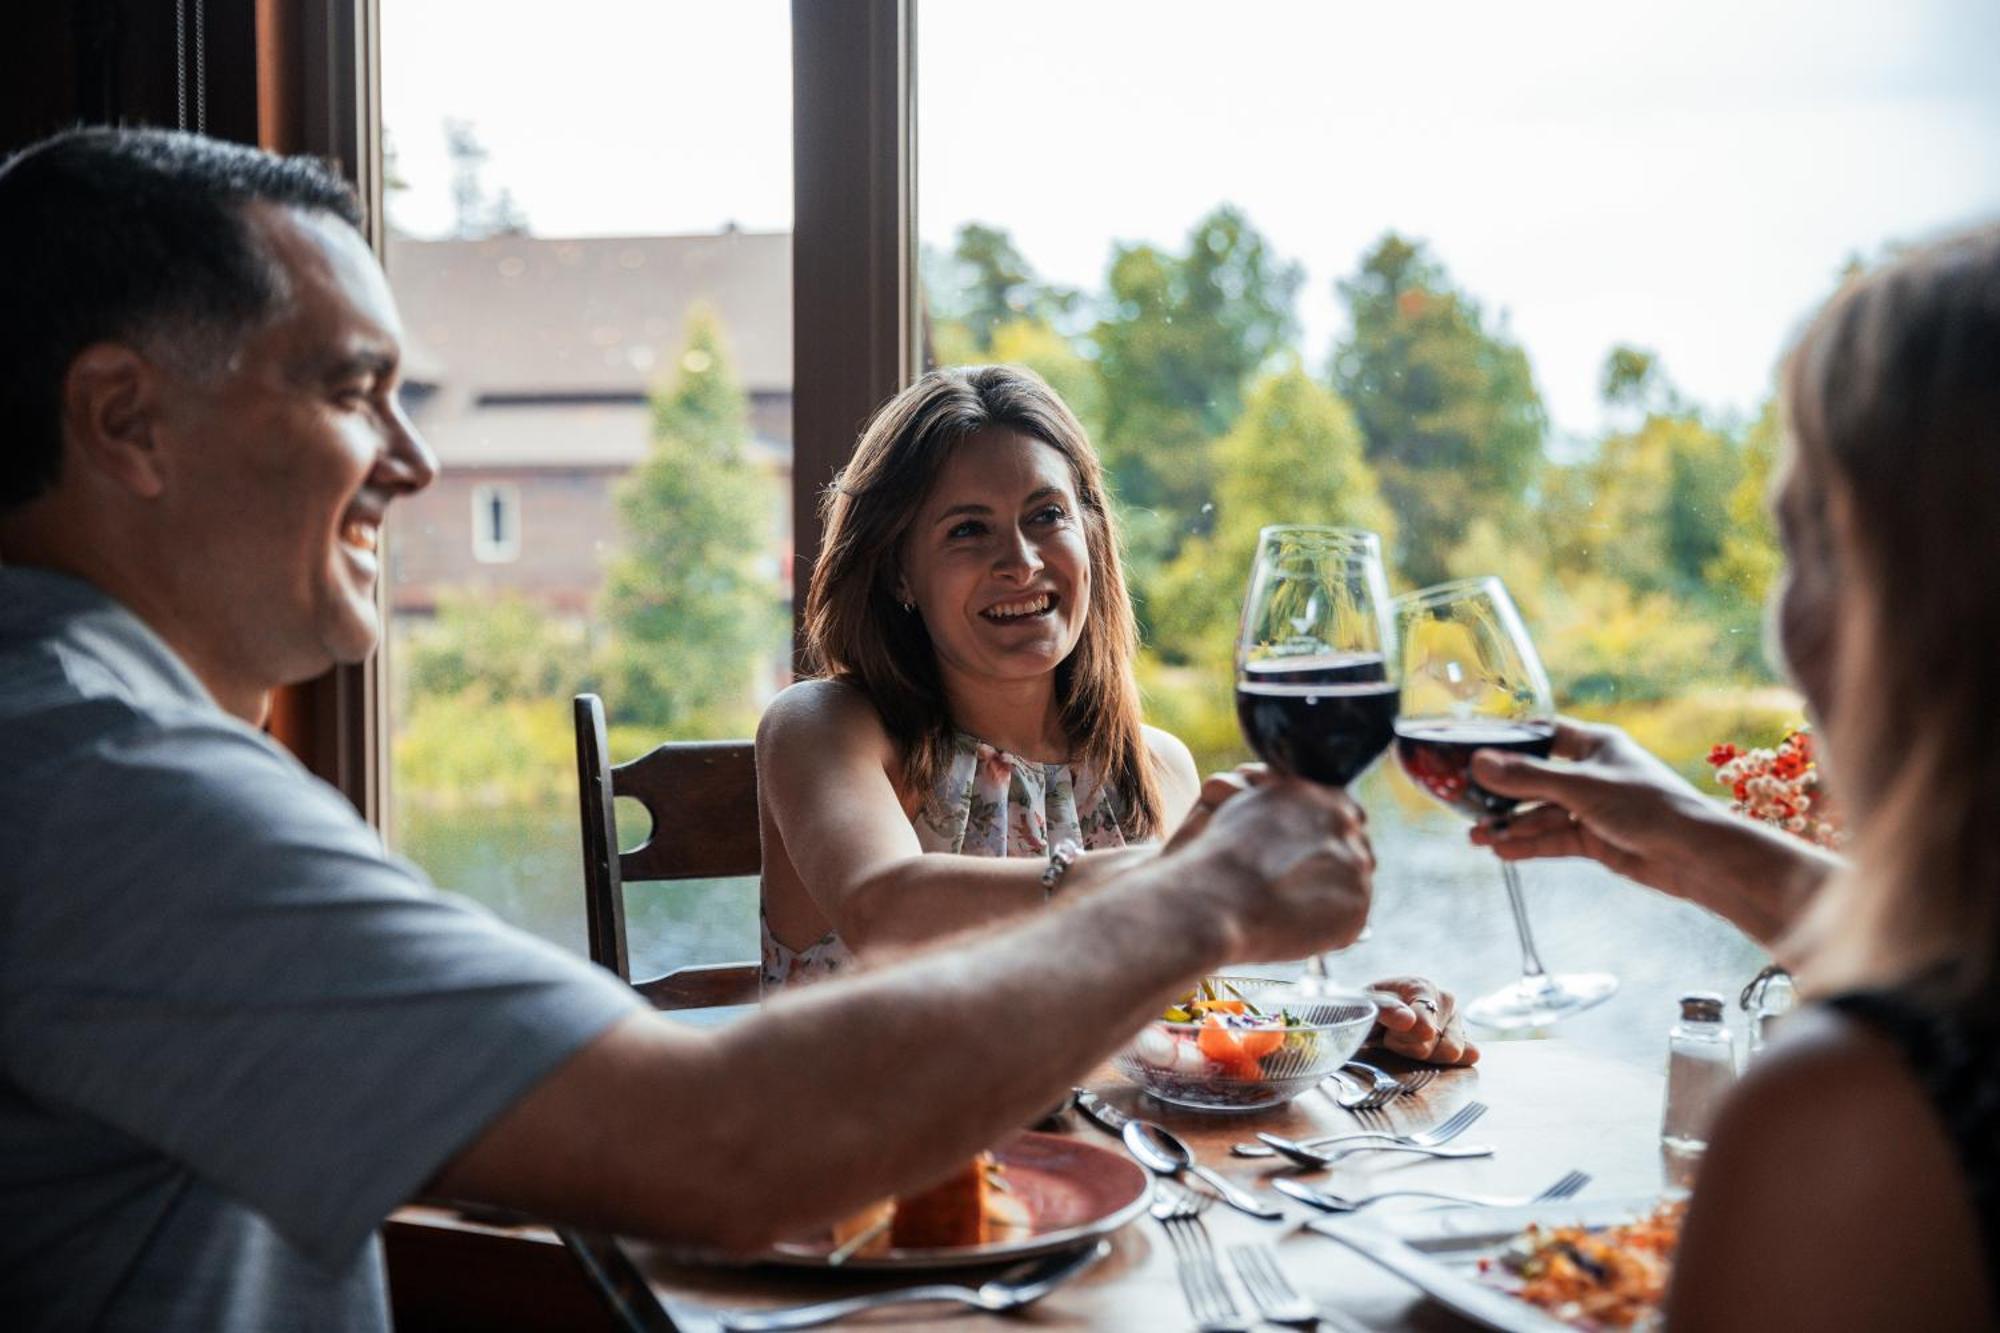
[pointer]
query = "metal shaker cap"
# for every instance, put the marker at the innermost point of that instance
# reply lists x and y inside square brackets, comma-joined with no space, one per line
[1701,1007]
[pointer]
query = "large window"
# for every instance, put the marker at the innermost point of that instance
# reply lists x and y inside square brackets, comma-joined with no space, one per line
[589,237]
[1505,283]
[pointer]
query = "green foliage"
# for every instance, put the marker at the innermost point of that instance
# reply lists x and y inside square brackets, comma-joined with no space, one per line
[1653,506]
[1198,704]
[1604,642]
[1681,730]
[1035,344]
[469,749]
[494,649]
[1294,456]
[986,284]
[1179,341]
[1448,406]
[1744,570]
[691,598]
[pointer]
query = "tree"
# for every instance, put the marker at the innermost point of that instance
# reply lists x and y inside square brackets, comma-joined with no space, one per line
[1448,406]
[1181,338]
[986,283]
[692,599]
[1295,454]
[1034,344]
[475,213]
[1742,573]
[495,649]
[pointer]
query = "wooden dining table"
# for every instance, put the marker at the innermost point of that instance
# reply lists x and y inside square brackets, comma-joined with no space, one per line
[1552,1108]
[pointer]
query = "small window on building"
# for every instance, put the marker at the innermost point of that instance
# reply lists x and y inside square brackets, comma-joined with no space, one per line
[496,522]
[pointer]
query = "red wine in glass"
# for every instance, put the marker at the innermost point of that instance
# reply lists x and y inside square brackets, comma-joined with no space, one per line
[1323,718]
[1473,681]
[1437,754]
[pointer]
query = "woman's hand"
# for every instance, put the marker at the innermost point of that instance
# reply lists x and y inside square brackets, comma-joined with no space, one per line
[1621,807]
[1420,1020]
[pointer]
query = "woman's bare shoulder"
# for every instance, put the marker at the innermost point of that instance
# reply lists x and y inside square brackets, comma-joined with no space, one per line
[1829,1193]
[814,714]
[1173,763]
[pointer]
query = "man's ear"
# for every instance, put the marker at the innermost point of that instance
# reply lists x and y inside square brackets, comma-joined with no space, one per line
[111,404]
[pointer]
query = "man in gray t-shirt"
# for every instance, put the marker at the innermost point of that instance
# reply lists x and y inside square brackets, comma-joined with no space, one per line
[230,1024]
[234,1033]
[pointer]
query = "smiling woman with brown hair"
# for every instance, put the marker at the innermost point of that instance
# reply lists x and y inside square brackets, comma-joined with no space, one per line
[973,743]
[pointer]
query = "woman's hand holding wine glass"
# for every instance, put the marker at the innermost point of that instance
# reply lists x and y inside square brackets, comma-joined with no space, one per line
[1471,682]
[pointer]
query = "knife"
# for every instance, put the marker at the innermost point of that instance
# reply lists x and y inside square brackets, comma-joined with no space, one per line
[1101,1113]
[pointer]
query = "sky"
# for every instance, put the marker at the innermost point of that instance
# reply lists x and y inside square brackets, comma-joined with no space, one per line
[1687,177]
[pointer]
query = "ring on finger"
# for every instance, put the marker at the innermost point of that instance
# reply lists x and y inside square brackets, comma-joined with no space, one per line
[1428,1004]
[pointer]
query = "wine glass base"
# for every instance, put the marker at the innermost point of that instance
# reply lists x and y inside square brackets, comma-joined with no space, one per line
[1534,1002]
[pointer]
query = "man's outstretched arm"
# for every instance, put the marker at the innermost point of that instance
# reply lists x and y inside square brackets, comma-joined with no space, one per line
[870,1086]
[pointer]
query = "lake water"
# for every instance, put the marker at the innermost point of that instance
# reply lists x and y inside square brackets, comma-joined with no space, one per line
[1440,911]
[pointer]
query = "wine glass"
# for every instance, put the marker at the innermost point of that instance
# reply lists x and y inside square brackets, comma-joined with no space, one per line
[1472,681]
[1315,658]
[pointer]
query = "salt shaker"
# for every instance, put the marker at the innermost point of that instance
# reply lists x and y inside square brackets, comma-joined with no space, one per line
[1701,1067]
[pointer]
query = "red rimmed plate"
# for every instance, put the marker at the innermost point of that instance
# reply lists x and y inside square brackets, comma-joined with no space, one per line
[1071,1191]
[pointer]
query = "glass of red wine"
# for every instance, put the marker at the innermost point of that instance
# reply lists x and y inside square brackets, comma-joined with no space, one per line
[1471,681]
[1316,692]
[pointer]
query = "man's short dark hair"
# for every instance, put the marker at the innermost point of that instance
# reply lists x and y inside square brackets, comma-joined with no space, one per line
[129,235]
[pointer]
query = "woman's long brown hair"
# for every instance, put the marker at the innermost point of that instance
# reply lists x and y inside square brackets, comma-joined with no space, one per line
[1894,392]
[855,631]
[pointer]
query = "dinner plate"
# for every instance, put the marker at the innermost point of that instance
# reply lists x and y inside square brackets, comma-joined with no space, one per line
[1071,1191]
[1439,1252]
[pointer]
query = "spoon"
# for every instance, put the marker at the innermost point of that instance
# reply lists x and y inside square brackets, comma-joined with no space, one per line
[1161,1151]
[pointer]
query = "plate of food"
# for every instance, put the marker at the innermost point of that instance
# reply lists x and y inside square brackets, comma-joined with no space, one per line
[1034,1194]
[1544,1268]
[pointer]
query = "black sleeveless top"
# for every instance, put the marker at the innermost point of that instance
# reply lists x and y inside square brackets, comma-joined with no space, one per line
[1956,1058]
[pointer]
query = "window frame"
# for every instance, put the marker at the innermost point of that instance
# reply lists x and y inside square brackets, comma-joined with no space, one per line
[855,325]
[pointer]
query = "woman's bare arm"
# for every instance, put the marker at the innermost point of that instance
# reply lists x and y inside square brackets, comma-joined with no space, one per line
[1613,802]
[823,766]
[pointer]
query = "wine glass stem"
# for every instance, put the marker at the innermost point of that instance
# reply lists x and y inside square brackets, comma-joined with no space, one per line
[1316,966]
[1531,961]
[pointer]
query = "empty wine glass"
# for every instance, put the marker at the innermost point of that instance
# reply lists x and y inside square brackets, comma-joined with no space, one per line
[1471,681]
[1315,659]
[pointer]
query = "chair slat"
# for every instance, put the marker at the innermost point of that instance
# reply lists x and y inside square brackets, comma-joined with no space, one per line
[702,796]
[702,799]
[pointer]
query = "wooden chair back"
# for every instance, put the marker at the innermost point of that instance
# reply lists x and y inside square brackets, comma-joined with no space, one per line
[702,799]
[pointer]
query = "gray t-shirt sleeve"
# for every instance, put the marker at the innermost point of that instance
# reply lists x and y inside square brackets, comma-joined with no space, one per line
[222,962]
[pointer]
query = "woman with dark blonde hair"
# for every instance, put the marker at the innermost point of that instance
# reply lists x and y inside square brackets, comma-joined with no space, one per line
[972,742]
[1853,1179]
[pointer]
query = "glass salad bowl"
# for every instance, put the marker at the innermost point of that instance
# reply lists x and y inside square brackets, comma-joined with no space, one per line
[1246,1043]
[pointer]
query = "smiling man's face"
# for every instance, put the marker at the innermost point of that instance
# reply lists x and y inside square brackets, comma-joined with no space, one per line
[281,463]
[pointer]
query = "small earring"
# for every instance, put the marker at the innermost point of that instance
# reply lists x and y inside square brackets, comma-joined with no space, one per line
[909,606]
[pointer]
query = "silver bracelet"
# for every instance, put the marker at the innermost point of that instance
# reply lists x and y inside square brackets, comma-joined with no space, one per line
[1061,857]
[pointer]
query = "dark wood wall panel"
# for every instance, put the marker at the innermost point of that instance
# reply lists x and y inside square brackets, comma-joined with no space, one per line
[852,255]
[118,62]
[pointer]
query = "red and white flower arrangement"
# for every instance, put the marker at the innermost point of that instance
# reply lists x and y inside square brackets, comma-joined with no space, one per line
[1779,786]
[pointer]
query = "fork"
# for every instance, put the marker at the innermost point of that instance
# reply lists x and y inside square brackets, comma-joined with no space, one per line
[1569,1185]
[1019,1287]
[1353,1097]
[1436,1136]
[1388,1084]
[1270,1291]
[1202,1283]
